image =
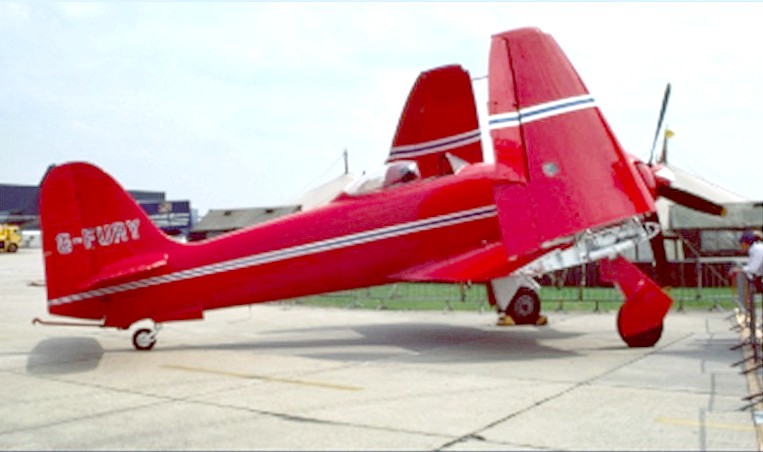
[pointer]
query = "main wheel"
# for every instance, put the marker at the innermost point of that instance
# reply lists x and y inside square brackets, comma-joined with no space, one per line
[12,248]
[645,339]
[143,339]
[524,307]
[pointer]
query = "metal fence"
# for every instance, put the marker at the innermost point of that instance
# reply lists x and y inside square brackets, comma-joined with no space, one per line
[576,289]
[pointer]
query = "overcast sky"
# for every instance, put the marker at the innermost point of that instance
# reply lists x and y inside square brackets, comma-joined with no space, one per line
[249,104]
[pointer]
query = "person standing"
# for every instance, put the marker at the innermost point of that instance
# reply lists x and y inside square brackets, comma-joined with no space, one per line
[748,277]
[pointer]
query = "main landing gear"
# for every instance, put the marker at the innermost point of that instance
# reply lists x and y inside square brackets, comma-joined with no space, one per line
[516,299]
[646,338]
[523,309]
[640,319]
[144,339]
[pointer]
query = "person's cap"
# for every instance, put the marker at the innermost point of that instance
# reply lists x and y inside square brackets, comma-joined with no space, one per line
[748,237]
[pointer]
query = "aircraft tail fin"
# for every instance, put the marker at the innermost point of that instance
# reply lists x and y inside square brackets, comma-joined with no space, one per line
[94,235]
[439,118]
[563,168]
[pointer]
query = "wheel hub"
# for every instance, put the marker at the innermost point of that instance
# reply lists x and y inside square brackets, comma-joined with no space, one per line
[524,306]
[144,339]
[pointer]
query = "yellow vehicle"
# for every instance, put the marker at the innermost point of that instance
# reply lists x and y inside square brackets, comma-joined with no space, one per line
[10,238]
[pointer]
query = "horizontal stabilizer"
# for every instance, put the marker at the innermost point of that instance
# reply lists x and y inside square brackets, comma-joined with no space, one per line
[127,269]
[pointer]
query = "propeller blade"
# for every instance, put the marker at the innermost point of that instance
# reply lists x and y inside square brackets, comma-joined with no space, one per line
[690,200]
[664,107]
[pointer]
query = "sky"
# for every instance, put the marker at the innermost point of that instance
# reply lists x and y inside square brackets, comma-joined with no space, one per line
[249,104]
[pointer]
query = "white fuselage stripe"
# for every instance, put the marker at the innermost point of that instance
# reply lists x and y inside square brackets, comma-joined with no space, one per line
[267,257]
[540,111]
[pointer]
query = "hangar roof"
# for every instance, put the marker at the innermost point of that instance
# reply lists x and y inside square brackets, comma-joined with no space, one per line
[325,193]
[230,219]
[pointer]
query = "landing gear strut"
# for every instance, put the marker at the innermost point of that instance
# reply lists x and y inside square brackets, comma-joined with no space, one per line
[516,300]
[144,339]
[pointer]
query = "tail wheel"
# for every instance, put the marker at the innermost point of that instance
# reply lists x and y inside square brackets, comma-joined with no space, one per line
[524,307]
[144,339]
[645,339]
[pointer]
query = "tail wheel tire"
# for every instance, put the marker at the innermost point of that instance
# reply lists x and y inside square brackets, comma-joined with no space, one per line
[143,339]
[524,307]
[645,339]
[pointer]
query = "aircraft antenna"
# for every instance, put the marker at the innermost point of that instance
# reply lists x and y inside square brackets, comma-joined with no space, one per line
[325,172]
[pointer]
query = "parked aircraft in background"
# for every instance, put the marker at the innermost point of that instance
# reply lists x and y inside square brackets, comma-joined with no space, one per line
[561,191]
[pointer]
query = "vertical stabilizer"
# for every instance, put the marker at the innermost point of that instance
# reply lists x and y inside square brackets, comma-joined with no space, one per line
[94,235]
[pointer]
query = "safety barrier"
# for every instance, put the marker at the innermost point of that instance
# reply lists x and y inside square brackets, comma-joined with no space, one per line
[714,292]
[746,320]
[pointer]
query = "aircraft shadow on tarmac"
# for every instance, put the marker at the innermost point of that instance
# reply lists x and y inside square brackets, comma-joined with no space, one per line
[64,355]
[705,349]
[406,342]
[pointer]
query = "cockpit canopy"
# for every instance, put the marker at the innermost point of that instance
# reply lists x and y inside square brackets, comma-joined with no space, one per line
[392,174]
[401,172]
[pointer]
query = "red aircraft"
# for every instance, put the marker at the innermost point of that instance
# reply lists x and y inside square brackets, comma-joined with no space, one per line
[561,191]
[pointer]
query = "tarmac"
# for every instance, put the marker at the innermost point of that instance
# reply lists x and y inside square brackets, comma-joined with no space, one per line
[289,377]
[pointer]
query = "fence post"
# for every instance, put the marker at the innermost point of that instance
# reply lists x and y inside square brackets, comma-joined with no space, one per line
[448,306]
[750,298]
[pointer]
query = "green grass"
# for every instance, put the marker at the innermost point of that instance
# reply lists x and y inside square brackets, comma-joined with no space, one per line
[438,297]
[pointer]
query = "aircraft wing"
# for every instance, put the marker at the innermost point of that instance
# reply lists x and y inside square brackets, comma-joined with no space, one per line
[563,169]
[476,265]
[439,118]
[479,265]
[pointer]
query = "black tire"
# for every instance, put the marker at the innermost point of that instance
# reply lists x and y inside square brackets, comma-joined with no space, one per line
[142,340]
[645,339]
[524,308]
[12,248]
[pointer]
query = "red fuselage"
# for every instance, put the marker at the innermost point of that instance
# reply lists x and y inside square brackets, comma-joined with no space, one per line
[355,241]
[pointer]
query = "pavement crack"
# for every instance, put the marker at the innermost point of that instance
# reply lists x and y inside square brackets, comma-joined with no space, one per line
[166,399]
[561,393]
